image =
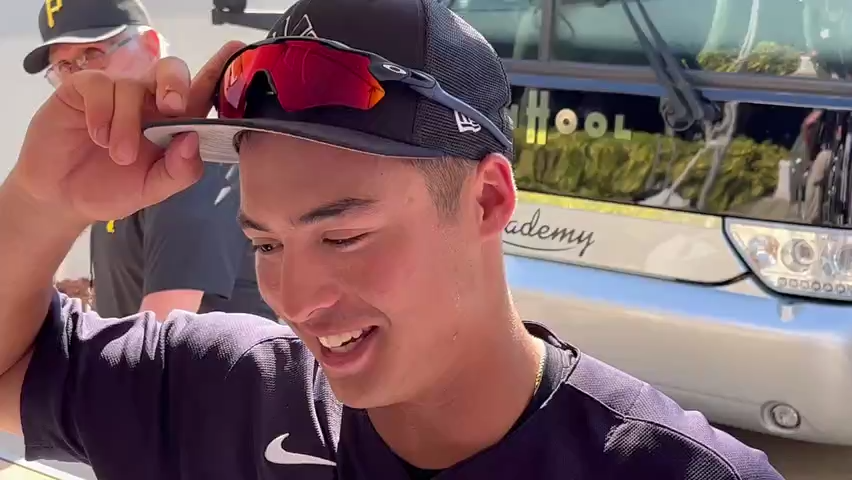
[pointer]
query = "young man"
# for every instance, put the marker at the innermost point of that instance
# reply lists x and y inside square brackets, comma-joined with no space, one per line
[376,202]
[186,253]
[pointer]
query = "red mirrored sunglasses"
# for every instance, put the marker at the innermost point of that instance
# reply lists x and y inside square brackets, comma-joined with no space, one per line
[306,73]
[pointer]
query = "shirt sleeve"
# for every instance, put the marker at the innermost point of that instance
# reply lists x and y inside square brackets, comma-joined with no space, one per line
[104,391]
[192,240]
[657,439]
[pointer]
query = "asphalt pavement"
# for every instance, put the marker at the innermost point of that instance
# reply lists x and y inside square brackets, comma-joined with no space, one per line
[186,24]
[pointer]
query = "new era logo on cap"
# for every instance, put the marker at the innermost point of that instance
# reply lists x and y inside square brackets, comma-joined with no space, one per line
[465,124]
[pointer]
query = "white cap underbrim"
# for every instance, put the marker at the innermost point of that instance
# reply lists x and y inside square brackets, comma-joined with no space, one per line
[217,145]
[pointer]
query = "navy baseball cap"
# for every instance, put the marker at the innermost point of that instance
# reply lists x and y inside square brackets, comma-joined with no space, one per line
[418,34]
[82,21]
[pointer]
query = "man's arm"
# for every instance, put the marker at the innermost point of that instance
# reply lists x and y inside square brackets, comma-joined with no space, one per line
[164,302]
[193,244]
[33,242]
[107,391]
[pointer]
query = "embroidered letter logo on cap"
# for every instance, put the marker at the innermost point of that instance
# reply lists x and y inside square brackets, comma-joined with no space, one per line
[51,8]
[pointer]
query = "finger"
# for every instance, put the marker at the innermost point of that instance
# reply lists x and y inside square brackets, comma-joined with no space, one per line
[126,127]
[91,92]
[204,84]
[172,80]
[179,168]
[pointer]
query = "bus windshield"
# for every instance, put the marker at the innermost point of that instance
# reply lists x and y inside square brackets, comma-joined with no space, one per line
[777,37]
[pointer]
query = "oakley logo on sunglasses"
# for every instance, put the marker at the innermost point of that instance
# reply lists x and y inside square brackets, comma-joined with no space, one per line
[394,69]
[465,124]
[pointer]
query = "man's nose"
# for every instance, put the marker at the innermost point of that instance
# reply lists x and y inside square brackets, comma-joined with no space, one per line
[305,288]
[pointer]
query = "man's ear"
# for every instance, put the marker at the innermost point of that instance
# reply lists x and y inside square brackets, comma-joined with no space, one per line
[150,41]
[496,194]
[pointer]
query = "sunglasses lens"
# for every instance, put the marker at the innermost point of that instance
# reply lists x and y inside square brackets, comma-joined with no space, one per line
[234,83]
[304,75]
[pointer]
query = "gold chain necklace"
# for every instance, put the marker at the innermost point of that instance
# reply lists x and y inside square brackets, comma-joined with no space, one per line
[540,373]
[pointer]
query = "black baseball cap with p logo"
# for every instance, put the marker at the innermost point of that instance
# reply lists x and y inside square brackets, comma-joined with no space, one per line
[82,21]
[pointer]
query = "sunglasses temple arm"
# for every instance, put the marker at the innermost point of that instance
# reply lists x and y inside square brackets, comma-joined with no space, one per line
[440,96]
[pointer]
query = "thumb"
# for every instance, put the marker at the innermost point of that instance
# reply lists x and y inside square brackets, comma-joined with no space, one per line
[179,168]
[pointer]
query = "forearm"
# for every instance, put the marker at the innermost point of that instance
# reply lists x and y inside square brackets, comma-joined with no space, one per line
[34,240]
[163,303]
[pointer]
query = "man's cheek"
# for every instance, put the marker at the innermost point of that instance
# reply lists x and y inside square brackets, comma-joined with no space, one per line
[268,282]
[376,274]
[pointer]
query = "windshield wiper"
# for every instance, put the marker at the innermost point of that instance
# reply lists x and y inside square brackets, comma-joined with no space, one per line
[683,106]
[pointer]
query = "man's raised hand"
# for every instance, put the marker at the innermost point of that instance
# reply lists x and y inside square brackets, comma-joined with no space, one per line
[84,155]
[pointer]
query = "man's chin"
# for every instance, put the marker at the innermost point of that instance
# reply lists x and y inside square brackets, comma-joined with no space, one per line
[355,393]
[356,377]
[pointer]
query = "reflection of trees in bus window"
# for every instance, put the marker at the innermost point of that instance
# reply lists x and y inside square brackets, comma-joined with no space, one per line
[511,26]
[614,147]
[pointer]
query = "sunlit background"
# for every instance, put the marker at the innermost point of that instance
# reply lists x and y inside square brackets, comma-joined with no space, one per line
[186,24]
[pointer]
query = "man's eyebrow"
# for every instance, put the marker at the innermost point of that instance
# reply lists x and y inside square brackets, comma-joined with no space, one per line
[323,212]
[336,208]
[248,224]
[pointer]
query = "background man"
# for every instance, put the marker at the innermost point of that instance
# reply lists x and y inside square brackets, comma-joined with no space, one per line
[186,253]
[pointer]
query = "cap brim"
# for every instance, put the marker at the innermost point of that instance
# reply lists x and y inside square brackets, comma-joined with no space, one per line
[37,60]
[217,135]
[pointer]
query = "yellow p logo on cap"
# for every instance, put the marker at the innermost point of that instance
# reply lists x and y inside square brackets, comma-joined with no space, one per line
[51,8]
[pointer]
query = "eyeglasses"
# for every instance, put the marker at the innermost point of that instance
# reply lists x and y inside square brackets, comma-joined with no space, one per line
[306,73]
[91,58]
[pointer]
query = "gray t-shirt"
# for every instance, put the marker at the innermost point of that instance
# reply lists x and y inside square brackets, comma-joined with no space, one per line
[190,241]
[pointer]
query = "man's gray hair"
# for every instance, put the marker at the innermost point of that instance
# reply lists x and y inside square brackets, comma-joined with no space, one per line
[138,30]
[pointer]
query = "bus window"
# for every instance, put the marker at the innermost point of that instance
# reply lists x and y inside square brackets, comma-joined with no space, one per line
[755,36]
[511,26]
[615,147]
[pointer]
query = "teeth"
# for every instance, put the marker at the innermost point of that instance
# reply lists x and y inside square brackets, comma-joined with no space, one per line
[336,341]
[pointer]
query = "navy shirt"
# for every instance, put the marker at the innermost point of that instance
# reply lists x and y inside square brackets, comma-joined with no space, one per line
[232,396]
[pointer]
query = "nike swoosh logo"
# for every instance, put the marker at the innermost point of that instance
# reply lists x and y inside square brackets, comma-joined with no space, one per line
[275,453]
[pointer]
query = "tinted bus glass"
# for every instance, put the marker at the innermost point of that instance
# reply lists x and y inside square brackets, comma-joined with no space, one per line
[771,162]
[512,26]
[778,37]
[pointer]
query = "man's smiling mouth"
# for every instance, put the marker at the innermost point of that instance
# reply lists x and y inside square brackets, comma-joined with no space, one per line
[346,341]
